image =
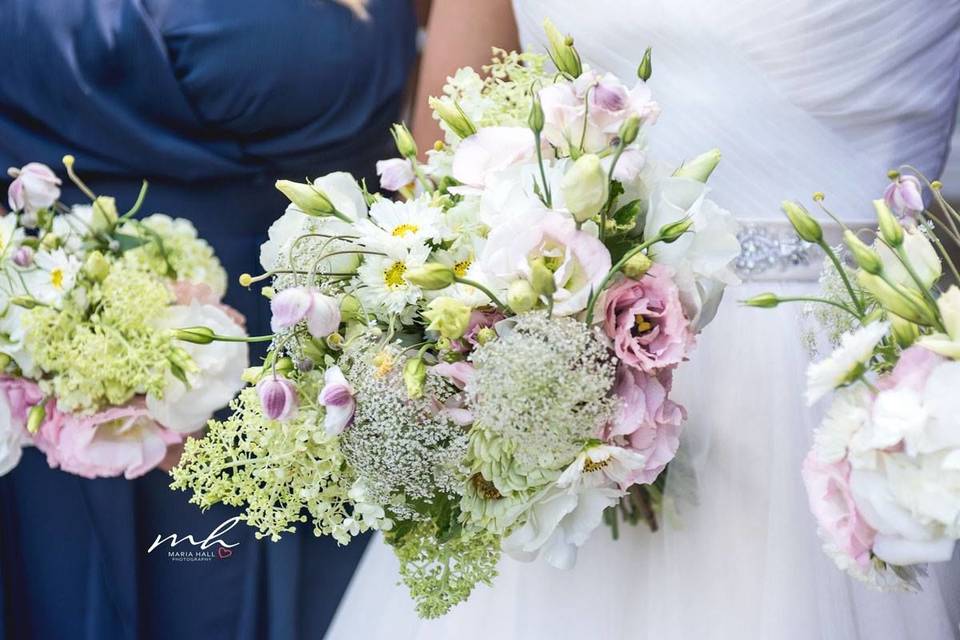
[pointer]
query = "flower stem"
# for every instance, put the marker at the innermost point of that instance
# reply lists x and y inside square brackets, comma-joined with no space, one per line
[136,205]
[857,302]
[477,285]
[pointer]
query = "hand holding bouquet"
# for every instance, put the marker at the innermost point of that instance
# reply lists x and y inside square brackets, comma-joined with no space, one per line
[485,364]
[91,371]
[883,477]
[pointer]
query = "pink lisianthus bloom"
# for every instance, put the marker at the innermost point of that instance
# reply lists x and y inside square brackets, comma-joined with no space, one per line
[22,395]
[35,186]
[647,419]
[117,441]
[490,150]
[841,526]
[186,292]
[912,370]
[478,320]
[646,322]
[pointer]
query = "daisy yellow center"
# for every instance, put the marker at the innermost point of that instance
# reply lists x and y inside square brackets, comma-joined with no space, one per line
[403,229]
[461,267]
[393,276]
[56,278]
[589,466]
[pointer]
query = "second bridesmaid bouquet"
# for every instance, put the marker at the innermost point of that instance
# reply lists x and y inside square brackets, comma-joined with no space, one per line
[91,370]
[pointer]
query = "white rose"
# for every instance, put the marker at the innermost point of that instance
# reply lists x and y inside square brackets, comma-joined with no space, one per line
[221,365]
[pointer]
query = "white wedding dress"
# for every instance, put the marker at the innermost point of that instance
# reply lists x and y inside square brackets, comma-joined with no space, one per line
[801,96]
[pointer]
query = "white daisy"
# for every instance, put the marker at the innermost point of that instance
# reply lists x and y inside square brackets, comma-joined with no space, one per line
[383,289]
[602,464]
[398,227]
[846,362]
[54,277]
[462,259]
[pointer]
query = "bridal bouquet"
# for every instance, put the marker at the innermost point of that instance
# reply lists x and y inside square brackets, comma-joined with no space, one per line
[883,477]
[91,372]
[486,363]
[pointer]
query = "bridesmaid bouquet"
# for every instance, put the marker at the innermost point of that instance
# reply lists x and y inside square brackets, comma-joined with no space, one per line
[91,371]
[484,364]
[883,477]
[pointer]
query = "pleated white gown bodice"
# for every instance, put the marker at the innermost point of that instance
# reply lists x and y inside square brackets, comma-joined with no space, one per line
[800,96]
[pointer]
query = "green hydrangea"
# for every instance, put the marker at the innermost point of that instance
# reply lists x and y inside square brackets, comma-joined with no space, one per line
[101,348]
[179,254]
[278,470]
[441,574]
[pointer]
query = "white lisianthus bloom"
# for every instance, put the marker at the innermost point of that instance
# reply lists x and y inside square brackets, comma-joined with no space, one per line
[946,344]
[219,378]
[510,193]
[53,278]
[602,464]
[558,521]
[490,150]
[13,437]
[701,260]
[579,260]
[835,370]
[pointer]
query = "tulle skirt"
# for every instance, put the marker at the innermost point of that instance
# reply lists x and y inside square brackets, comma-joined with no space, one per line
[739,559]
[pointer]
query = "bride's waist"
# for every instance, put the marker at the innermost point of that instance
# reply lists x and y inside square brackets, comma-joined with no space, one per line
[771,250]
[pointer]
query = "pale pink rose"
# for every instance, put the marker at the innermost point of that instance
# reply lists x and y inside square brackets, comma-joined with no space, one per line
[831,501]
[649,421]
[912,370]
[490,150]
[905,196]
[117,441]
[22,395]
[186,292]
[34,187]
[646,322]
[583,260]
[395,173]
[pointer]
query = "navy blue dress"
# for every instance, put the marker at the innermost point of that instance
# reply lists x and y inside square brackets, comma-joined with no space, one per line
[212,101]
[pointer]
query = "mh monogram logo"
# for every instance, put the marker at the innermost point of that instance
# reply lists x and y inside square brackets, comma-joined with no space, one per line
[198,550]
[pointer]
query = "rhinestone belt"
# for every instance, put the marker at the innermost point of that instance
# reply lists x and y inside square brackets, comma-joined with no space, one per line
[773,251]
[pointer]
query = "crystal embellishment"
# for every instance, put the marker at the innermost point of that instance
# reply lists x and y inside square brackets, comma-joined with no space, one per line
[763,249]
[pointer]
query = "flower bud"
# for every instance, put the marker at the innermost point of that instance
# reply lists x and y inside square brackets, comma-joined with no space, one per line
[406,146]
[561,51]
[645,69]
[763,301]
[890,229]
[803,223]
[278,398]
[701,167]
[451,113]
[337,397]
[50,241]
[104,214]
[307,197]
[536,118]
[35,417]
[96,267]
[314,349]
[349,308]
[23,256]
[486,335]
[245,279]
[629,131]
[904,331]
[414,377]
[637,266]
[432,276]
[5,361]
[291,306]
[585,187]
[26,302]
[181,360]
[196,335]
[865,257]
[541,278]
[672,230]
[283,365]
[521,297]
[448,317]
[898,300]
